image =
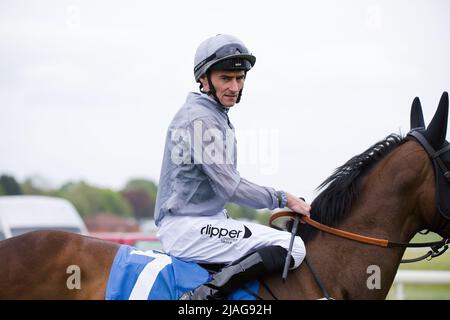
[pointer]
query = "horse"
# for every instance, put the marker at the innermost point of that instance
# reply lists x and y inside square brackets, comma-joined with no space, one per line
[394,189]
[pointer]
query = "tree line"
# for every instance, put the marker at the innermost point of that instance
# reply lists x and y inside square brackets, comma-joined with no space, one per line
[136,199]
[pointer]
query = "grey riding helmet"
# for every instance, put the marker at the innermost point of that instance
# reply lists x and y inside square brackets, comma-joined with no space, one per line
[221,52]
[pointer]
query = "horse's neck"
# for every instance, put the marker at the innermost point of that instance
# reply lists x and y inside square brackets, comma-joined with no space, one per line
[347,269]
[352,270]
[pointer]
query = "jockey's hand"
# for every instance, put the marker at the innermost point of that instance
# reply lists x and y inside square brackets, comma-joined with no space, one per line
[298,205]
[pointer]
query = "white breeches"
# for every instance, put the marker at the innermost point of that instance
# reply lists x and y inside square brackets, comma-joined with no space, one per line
[218,239]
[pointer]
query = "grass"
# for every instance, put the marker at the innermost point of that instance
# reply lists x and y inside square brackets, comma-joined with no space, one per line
[425,291]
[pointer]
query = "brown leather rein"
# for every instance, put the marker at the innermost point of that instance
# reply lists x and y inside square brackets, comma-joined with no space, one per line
[353,236]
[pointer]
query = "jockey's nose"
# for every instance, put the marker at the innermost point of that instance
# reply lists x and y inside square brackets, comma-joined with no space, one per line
[234,86]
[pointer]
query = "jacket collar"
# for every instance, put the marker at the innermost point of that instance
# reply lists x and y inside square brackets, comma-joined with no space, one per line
[212,103]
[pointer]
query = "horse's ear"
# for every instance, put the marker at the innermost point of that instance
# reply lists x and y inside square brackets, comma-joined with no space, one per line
[417,120]
[437,129]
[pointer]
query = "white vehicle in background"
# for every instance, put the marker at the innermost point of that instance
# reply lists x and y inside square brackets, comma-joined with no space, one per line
[21,214]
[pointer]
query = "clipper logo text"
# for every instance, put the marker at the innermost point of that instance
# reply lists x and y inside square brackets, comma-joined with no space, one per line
[224,234]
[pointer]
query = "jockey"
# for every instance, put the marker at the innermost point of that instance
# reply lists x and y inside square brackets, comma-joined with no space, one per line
[199,176]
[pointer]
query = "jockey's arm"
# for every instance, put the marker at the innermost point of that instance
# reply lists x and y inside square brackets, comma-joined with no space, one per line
[223,176]
[228,183]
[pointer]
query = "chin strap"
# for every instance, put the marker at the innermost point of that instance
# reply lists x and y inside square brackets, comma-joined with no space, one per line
[212,90]
[239,97]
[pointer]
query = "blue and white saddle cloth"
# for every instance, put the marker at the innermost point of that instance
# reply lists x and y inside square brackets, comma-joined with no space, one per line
[153,275]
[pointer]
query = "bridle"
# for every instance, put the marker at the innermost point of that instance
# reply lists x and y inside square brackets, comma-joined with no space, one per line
[435,157]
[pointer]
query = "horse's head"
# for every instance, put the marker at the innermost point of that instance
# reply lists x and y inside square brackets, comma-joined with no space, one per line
[432,139]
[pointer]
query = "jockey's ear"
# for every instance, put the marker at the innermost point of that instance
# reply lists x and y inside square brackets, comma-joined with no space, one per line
[417,120]
[437,129]
[204,84]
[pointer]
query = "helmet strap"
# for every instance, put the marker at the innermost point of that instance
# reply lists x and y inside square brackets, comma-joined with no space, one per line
[240,91]
[212,90]
[239,96]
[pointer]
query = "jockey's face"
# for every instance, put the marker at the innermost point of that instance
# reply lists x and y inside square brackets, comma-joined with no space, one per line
[227,85]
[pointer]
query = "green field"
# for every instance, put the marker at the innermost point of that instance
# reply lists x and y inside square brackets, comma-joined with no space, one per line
[425,291]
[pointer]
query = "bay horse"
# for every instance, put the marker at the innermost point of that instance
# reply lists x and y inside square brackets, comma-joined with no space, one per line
[393,190]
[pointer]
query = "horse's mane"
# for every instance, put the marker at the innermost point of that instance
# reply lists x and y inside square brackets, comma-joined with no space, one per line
[342,188]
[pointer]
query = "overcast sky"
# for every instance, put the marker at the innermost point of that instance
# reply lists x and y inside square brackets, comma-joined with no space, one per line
[88,88]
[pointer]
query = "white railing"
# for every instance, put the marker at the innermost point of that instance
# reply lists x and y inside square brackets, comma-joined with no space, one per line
[418,277]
